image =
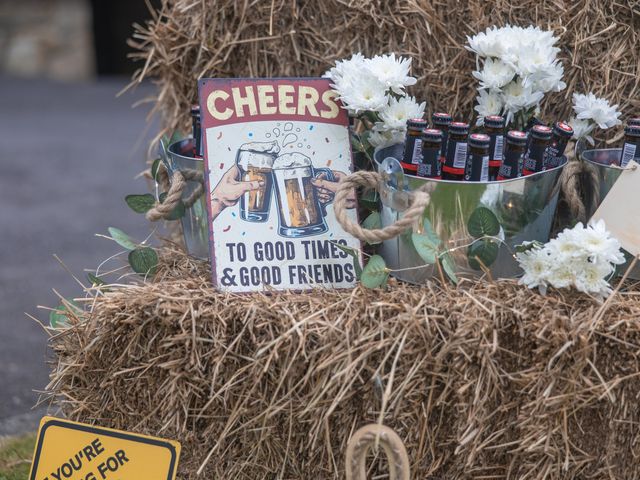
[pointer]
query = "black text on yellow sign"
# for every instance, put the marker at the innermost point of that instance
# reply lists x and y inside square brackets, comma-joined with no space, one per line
[74,451]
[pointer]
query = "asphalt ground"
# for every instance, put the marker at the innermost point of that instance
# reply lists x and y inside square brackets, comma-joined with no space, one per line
[69,153]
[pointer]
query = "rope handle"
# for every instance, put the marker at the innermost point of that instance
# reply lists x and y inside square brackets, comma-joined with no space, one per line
[175,188]
[419,201]
[367,438]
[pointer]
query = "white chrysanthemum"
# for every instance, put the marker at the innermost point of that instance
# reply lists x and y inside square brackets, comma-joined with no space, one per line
[550,80]
[489,103]
[600,246]
[392,72]
[533,60]
[591,278]
[582,129]
[395,114]
[494,74]
[536,264]
[488,43]
[346,68]
[384,138]
[516,97]
[362,93]
[597,109]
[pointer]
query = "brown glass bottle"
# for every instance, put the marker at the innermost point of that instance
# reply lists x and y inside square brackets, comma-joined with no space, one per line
[631,146]
[540,136]
[413,145]
[494,127]
[562,133]
[431,166]
[513,157]
[441,121]
[456,154]
[196,127]
[634,122]
[477,167]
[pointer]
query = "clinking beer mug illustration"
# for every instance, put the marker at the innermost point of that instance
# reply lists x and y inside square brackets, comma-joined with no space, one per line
[300,212]
[255,161]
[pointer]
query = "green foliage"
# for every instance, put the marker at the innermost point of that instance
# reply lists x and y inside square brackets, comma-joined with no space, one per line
[122,238]
[144,261]
[356,258]
[375,272]
[15,457]
[155,166]
[426,247]
[59,317]
[483,222]
[140,203]
[178,211]
[369,200]
[526,246]
[482,253]
[373,222]
[95,281]
[449,267]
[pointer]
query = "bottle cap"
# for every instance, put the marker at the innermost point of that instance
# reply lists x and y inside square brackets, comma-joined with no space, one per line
[632,130]
[541,131]
[416,123]
[441,118]
[517,137]
[494,121]
[459,127]
[432,135]
[634,121]
[479,140]
[195,109]
[563,129]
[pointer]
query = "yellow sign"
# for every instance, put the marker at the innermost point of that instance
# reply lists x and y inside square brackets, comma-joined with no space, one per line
[74,451]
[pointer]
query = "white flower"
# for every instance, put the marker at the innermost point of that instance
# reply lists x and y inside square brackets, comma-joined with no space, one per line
[597,109]
[494,74]
[384,138]
[346,68]
[600,246]
[488,43]
[489,103]
[395,114]
[391,72]
[362,93]
[582,129]
[536,264]
[534,59]
[516,97]
[590,278]
[550,80]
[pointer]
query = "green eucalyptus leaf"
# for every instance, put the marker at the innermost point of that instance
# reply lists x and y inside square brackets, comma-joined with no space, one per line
[140,203]
[369,200]
[178,212]
[144,261]
[375,272]
[59,317]
[483,222]
[482,253]
[526,246]
[373,222]
[356,143]
[155,166]
[426,248]
[122,238]
[449,267]
[95,281]
[356,258]
[427,230]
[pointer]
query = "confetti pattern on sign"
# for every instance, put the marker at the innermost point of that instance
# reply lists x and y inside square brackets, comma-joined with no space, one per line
[219,136]
[227,228]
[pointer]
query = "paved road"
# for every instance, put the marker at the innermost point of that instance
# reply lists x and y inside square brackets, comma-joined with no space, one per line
[68,155]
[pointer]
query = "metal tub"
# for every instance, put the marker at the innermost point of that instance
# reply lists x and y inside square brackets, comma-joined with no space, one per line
[523,209]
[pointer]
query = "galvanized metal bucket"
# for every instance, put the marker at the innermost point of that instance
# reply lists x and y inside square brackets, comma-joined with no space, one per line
[601,164]
[179,157]
[459,216]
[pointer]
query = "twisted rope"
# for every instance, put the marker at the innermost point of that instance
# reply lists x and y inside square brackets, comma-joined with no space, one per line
[175,188]
[366,438]
[572,182]
[419,200]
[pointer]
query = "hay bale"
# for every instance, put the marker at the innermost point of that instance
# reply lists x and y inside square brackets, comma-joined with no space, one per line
[486,381]
[188,39]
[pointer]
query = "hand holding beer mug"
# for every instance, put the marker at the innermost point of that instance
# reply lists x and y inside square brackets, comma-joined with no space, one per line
[327,189]
[249,181]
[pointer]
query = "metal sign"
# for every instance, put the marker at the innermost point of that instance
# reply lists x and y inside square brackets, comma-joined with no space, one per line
[69,450]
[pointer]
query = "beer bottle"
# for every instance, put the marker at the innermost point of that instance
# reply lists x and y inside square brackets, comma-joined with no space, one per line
[431,166]
[441,121]
[534,158]
[562,132]
[631,146]
[494,127]
[456,154]
[513,158]
[477,167]
[196,128]
[413,145]
[634,122]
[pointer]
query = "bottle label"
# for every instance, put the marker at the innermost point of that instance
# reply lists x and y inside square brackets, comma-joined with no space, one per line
[497,149]
[484,173]
[511,166]
[430,165]
[477,168]
[534,157]
[628,154]
[409,149]
[460,157]
[417,152]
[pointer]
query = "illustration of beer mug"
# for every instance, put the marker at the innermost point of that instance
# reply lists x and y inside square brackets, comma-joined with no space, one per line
[255,161]
[300,212]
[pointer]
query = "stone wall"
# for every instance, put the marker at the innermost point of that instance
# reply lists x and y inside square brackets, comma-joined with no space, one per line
[46,38]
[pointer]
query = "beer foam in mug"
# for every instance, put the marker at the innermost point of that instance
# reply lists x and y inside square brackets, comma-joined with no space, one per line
[293,165]
[257,154]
